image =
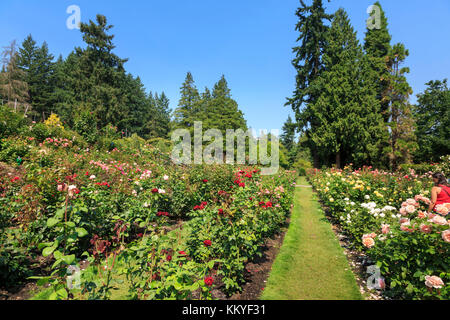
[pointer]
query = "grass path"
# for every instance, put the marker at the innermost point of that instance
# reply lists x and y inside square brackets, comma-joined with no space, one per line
[311,264]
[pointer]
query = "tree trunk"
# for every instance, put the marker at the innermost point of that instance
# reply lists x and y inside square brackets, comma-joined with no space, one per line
[338,160]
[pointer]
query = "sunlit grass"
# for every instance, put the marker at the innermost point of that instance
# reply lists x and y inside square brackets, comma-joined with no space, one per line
[311,264]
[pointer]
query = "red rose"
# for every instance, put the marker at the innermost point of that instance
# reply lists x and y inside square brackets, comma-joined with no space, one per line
[205,181]
[209,281]
[220,211]
[207,243]
[155,190]
[182,253]
[169,258]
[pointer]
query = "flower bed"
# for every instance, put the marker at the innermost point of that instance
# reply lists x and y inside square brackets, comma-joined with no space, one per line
[385,215]
[171,232]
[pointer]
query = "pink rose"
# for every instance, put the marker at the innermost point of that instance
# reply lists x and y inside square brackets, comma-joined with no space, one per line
[403,211]
[410,209]
[434,282]
[385,228]
[422,215]
[426,228]
[369,242]
[440,220]
[443,209]
[446,236]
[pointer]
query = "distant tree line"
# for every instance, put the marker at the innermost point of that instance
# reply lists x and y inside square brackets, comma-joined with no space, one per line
[91,89]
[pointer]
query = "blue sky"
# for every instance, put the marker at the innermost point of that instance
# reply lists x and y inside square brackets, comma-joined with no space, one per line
[248,41]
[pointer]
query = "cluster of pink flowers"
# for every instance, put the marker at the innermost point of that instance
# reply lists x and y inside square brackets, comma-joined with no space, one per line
[147,174]
[57,142]
[443,209]
[409,207]
[100,164]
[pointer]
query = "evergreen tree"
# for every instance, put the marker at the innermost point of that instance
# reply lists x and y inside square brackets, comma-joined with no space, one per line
[349,125]
[13,86]
[189,101]
[287,138]
[402,142]
[63,97]
[162,116]
[377,45]
[432,114]
[97,75]
[309,65]
[223,112]
[38,65]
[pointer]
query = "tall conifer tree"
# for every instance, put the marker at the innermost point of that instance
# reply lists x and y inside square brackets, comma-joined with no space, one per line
[309,65]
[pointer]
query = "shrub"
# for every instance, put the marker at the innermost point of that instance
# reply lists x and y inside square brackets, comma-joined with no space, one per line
[86,125]
[11,123]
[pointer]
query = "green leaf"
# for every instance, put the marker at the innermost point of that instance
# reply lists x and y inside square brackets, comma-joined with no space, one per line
[81,232]
[48,251]
[57,254]
[69,259]
[52,222]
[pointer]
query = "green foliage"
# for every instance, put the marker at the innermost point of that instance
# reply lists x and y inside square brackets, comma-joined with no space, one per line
[38,65]
[348,123]
[12,148]
[432,115]
[86,125]
[11,123]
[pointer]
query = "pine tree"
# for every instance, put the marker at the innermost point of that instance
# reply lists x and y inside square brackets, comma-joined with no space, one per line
[349,124]
[309,65]
[189,101]
[223,112]
[97,76]
[162,116]
[432,115]
[287,138]
[402,141]
[377,45]
[38,65]
[13,86]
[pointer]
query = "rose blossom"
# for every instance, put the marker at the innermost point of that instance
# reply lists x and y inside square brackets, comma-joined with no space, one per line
[443,209]
[440,220]
[403,211]
[446,235]
[368,242]
[410,209]
[422,215]
[385,228]
[426,228]
[434,282]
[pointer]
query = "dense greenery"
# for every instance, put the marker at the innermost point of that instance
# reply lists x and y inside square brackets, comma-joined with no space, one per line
[352,101]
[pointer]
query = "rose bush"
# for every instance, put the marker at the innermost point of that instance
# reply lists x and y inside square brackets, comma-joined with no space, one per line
[385,215]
